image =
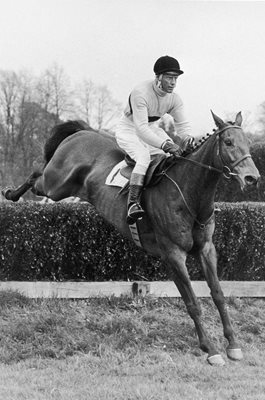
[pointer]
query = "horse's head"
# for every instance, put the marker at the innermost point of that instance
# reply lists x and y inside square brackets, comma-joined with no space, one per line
[233,152]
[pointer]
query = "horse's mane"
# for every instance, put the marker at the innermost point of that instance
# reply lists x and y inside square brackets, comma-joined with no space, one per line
[201,142]
[59,133]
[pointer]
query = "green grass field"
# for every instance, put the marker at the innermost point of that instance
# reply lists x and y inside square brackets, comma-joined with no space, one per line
[125,349]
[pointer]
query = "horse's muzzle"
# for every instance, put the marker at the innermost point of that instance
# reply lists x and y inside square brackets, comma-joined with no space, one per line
[251,182]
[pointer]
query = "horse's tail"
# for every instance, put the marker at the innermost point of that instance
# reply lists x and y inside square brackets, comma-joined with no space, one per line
[59,133]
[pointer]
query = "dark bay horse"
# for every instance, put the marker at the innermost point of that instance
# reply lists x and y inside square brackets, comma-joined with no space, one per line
[179,209]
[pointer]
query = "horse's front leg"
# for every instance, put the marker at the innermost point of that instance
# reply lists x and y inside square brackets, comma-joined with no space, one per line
[208,259]
[175,259]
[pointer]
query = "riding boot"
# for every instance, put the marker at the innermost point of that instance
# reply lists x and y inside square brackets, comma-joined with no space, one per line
[135,210]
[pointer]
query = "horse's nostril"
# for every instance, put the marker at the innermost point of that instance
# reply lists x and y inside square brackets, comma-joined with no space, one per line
[250,180]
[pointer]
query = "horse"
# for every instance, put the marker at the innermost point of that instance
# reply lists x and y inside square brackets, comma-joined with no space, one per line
[179,210]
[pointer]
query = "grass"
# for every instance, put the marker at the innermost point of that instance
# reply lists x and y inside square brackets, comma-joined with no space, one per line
[124,349]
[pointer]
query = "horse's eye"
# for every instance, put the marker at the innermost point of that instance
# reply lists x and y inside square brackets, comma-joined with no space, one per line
[228,142]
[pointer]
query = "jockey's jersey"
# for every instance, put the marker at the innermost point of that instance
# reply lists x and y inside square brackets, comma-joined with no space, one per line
[147,103]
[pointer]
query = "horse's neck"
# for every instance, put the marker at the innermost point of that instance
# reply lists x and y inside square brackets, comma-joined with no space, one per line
[207,157]
[207,153]
[198,182]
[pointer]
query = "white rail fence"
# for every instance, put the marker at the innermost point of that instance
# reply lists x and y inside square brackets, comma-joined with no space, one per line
[84,290]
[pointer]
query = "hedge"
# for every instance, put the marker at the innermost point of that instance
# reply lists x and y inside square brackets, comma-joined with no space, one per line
[70,241]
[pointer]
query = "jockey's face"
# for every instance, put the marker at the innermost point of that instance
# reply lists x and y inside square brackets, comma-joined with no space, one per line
[168,81]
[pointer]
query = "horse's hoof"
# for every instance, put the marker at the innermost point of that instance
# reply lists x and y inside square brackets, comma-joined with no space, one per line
[6,193]
[234,354]
[216,360]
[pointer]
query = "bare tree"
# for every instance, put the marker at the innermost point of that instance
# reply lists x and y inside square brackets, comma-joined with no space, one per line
[21,124]
[84,99]
[30,106]
[96,105]
[55,93]
[9,88]
[106,110]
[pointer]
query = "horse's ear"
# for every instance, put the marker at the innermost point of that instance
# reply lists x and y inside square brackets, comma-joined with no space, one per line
[218,121]
[239,119]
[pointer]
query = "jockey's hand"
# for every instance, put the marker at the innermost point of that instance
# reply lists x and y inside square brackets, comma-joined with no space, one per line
[172,148]
[187,144]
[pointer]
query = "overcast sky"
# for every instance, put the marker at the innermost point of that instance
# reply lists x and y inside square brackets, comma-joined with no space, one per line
[220,46]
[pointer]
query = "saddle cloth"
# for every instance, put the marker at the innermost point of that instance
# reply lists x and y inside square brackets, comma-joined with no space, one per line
[115,178]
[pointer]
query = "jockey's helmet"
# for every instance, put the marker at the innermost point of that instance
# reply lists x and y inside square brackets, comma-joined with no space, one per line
[167,64]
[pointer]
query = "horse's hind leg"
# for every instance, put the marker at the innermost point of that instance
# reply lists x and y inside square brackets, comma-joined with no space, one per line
[208,260]
[14,194]
[175,259]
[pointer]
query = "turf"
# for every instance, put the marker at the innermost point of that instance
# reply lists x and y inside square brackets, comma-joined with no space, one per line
[124,348]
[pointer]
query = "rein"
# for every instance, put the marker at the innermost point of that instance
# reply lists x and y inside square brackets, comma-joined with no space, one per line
[201,225]
[226,171]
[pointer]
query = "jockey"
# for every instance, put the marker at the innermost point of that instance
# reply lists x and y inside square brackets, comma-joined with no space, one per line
[140,137]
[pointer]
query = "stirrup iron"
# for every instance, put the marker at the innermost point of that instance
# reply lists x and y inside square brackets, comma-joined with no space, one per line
[135,212]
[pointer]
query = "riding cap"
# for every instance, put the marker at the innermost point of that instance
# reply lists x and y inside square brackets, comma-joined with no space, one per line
[167,64]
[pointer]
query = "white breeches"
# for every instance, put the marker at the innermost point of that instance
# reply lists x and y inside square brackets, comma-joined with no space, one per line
[139,151]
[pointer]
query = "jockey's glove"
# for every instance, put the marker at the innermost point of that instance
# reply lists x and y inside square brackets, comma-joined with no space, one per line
[172,148]
[187,144]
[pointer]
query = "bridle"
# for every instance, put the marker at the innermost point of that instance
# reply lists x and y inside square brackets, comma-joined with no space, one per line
[226,171]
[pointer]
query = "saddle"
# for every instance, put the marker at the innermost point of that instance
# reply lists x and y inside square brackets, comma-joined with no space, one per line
[158,164]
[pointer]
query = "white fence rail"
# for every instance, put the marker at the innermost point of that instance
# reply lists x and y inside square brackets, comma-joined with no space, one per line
[84,290]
